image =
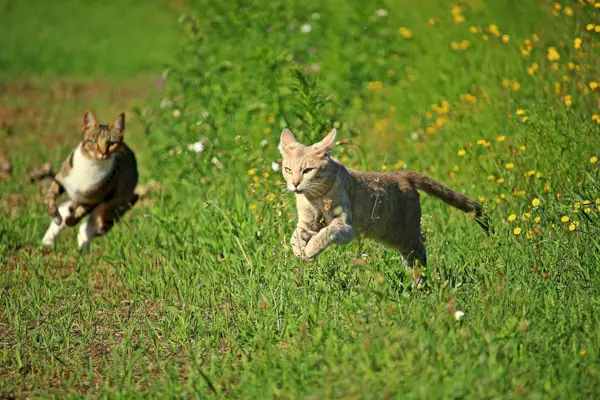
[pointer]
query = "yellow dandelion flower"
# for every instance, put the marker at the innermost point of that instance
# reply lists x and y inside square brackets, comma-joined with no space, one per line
[537,220]
[568,11]
[565,218]
[577,43]
[511,217]
[553,54]
[570,66]
[587,210]
[526,216]
[473,29]
[251,171]
[431,21]
[509,165]
[538,175]
[252,207]
[567,100]
[546,187]
[384,167]
[505,38]
[520,111]
[529,235]
[500,138]
[502,195]
[491,177]
[593,85]
[534,67]
[577,205]
[586,202]
[589,27]
[494,30]
[400,164]
[515,86]
[535,202]
[500,180]
[517,231]
[597,29]
[462,152]
[376,85]
[571,227]
[405,32]
[593,160]
[597,201]
[596,117]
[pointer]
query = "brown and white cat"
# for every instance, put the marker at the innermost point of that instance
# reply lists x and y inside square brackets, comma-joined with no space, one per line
[99,177]
[335,203]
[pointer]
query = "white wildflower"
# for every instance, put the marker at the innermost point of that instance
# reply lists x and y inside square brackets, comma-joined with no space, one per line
[382,12]
[197,147]
[204,114]
[264,142]
[176,113]
[305,28]
[165,102]
[458,315]
[414,136]
[275,166]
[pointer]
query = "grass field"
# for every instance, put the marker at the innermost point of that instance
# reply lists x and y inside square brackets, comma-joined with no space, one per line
[197,293]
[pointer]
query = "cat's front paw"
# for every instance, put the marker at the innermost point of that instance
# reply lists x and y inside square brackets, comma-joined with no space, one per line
[312,250]
[298,244]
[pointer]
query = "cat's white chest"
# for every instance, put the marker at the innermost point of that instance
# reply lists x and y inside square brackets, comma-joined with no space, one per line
[85,175]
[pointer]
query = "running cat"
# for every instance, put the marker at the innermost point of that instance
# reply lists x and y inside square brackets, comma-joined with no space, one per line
[99,177]
[335,203]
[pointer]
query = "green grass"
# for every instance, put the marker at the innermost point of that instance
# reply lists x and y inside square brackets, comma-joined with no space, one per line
[196,293]
[86,38]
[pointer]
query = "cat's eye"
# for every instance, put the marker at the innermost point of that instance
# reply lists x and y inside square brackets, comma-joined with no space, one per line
[93,141]
[306,170]
[288,170]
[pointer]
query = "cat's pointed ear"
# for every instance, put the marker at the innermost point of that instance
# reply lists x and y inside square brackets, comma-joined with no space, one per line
[89,121]
[286,140]
[325,145]
[119,123]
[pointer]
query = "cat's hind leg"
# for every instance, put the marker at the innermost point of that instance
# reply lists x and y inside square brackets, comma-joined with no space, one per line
[413,251]
[101,220]
[54,229]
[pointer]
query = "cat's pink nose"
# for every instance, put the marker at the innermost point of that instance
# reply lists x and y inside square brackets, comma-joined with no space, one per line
[295,184]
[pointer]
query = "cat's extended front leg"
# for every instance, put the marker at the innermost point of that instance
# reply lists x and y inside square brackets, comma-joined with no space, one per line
[53,194]
[300,238]
[339,231]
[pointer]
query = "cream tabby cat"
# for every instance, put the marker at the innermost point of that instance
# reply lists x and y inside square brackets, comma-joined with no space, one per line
[334,203]
[99,177]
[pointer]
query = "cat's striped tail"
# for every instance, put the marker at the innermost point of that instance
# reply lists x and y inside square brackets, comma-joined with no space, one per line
[447,195]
